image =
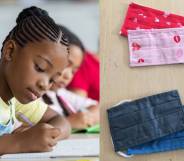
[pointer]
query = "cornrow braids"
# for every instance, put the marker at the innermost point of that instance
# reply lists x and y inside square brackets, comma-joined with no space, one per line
[35,24]
[72,38]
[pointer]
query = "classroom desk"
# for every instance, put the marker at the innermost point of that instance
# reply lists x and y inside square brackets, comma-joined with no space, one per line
[68,158]
[119,81]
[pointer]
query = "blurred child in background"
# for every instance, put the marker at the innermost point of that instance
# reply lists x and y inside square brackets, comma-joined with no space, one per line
[86,79]
[81,112]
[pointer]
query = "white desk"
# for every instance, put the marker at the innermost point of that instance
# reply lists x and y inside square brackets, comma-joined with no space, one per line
[68,158]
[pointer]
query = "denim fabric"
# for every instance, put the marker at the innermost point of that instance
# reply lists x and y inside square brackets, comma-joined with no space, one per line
[146,119]
[171,142]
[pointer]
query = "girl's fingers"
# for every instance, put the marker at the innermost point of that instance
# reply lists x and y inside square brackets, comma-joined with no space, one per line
[21,129]
[55,132]
[53,143]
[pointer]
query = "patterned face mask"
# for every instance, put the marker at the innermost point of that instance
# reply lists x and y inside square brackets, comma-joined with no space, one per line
[141,17]
[156,46]
[146,119]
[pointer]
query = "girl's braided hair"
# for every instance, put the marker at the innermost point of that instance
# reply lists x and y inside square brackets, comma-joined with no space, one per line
[35,24]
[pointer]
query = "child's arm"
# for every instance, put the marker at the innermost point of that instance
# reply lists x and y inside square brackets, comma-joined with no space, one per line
[53,118]
[82,120]
[95,113]
[40,138]
[38,112]
[9,144]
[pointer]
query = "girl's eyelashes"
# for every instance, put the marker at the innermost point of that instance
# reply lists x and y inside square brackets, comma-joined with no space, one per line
[51,81]
[38,68]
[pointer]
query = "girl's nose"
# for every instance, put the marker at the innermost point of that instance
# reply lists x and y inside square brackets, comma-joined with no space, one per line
[67,74]
[43,84]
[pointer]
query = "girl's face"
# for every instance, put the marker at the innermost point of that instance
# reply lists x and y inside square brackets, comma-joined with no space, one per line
[30,71]
[75,59]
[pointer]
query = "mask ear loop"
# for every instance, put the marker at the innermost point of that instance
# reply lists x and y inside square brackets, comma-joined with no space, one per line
[119,152]
[123,101]
[124,154]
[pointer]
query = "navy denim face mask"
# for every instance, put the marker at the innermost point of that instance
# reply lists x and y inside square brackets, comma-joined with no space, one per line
[146,119]
[171,142]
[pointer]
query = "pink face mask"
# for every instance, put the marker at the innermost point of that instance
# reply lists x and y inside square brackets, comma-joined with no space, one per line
[156,46]
[141,17]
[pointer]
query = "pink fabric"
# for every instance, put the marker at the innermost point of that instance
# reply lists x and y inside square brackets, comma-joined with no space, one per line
[156,46]
[141,17]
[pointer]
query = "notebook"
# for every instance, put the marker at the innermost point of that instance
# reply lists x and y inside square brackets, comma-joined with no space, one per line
[90,130]
[66,148]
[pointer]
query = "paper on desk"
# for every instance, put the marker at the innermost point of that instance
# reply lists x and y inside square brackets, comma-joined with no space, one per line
[65,148]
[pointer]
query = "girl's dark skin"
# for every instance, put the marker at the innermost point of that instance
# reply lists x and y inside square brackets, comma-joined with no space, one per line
[26,73]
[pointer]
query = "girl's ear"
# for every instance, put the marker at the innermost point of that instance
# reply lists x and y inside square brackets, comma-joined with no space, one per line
[8,50]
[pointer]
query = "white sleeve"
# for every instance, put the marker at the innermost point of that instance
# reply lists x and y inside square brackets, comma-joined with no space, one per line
[55,106]
[78,102]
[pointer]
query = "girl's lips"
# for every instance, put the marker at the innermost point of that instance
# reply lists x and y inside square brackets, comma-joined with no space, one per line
[33,95]
[60,85]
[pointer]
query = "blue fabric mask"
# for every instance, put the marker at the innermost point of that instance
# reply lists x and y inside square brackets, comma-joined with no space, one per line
[168,143]
[146,119]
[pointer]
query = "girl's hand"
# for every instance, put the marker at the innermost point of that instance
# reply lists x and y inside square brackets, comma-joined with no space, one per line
[21,129]
[81,120]
[39,138]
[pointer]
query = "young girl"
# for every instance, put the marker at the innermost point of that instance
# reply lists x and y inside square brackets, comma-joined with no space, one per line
[80,111]
[86,65]
[34,54]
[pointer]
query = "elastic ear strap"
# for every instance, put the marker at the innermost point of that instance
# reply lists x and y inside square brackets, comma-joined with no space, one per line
[127,100]
[124,155]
